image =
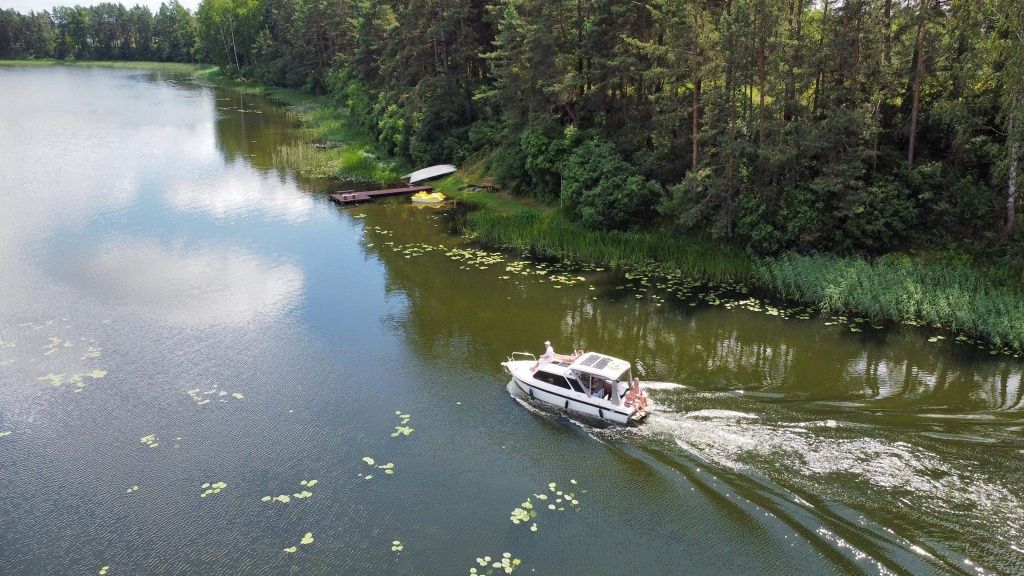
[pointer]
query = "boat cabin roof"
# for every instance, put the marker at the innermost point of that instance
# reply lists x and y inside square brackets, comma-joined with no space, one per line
[600,365]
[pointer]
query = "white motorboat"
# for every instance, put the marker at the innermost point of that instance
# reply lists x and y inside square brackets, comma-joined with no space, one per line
[581,386]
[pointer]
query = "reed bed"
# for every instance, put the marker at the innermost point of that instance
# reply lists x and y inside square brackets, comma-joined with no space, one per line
[897,288]
[551,235]
[343,163]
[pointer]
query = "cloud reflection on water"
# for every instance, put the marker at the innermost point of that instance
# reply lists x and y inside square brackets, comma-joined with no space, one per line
[191,286]
[238,189]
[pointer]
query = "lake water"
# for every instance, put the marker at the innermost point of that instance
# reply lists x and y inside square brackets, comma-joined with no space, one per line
[174,312]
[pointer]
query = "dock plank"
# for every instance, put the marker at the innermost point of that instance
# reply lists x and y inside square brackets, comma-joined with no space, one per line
[344,198]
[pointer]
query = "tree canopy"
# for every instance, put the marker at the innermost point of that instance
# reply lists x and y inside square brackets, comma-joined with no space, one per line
[838,125]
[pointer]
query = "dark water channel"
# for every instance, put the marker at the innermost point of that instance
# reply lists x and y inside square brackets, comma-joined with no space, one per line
[174,312]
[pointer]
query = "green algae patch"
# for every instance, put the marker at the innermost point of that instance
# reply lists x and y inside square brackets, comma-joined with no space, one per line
[149,440]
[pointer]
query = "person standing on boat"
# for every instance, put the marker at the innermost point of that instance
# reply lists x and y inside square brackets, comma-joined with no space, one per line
[547,357]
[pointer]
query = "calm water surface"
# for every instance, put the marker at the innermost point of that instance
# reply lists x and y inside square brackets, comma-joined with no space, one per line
[161,281]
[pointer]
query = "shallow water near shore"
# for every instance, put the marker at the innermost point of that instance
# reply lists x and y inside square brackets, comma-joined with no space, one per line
[206,367]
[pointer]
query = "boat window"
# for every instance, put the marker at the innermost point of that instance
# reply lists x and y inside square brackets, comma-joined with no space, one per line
[550,378]
[576,385]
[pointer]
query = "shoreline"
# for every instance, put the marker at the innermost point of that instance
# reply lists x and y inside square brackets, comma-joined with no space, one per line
[937,290]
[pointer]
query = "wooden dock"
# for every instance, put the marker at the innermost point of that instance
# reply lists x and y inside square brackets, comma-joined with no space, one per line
[367,195]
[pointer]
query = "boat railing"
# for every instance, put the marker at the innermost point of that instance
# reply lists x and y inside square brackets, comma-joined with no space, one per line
[522,356]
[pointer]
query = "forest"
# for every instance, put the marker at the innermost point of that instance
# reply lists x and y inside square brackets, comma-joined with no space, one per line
[836,126]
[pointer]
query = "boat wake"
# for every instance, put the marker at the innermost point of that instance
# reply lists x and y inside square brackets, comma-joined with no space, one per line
[836,466]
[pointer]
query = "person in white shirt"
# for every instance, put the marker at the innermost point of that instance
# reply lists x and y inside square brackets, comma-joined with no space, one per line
[547,357]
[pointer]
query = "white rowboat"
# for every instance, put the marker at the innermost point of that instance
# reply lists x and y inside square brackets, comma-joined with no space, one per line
[430,172]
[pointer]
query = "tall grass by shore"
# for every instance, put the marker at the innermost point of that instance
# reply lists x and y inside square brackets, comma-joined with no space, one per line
[554,236]
[899,288]
[342,163]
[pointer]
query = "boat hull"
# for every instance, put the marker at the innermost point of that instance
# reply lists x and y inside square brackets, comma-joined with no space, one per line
[522,375]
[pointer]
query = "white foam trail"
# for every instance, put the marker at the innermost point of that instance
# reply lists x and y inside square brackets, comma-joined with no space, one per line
[661,386]
[817,452]
[721,414]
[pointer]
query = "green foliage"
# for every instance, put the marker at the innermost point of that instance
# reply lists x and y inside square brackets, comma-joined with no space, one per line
[599,190]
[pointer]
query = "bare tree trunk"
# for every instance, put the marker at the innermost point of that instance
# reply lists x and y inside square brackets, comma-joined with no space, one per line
[234,47]
[918,73]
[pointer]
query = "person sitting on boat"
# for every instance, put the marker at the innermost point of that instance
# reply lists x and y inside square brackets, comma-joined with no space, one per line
[636,396]
[599,387]
[547,357]
[570,358]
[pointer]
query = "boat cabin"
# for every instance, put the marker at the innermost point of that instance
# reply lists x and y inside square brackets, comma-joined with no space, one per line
[590,372]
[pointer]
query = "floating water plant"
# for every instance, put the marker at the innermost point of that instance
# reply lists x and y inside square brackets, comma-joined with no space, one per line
[306,540]
[397,546]
[401,431]
[203,397]
[149,440]
[92,352]
[5,433]
[103,570]
[559,499]
[212,488]
[506,564]
[132,489]
[56,343]
[55,379]
[286,498]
